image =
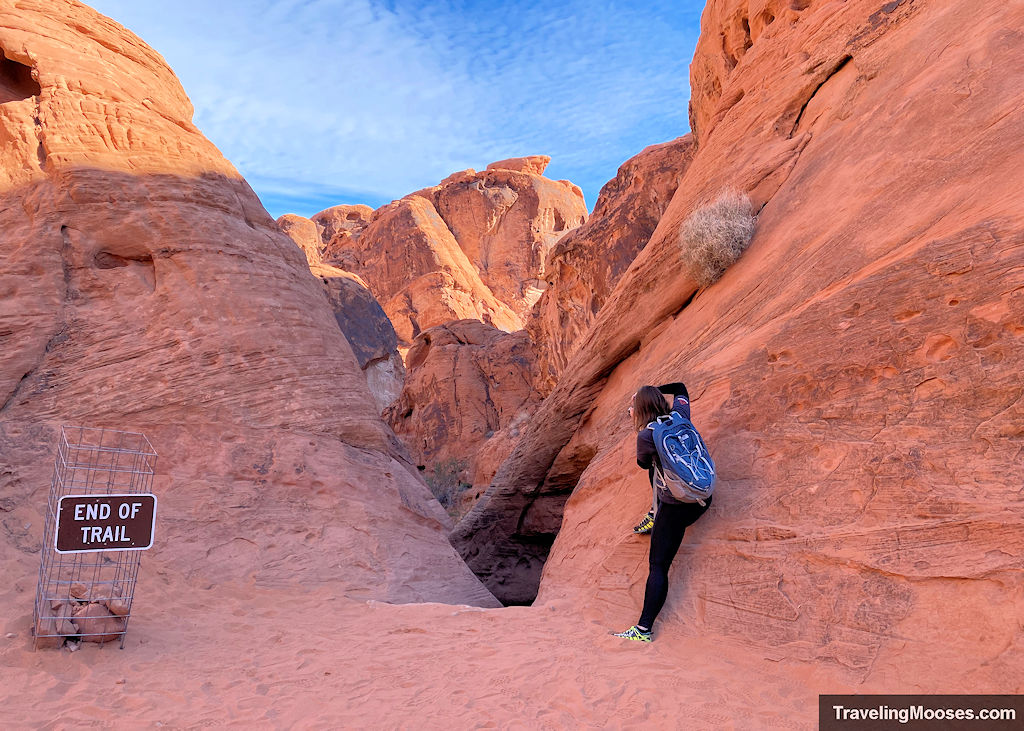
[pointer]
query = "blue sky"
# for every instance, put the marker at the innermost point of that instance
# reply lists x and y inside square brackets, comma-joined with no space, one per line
[357,101]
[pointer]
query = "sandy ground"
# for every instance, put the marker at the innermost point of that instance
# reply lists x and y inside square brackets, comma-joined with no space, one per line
[261,658]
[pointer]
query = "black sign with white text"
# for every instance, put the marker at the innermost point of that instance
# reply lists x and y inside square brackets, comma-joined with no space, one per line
[105,523]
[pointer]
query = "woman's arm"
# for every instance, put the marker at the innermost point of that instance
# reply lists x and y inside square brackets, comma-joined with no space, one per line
[680,397]
[675,389]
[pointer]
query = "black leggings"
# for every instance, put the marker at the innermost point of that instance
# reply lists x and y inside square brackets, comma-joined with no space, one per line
[669,526]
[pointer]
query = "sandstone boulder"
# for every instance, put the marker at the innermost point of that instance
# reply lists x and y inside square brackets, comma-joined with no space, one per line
[118,606]
[63,620]
[341,227]
[146,288]
[45,635]
[54,626]
[305,233]
[95,623]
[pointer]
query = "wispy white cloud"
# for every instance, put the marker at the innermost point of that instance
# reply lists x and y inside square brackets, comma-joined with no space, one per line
[372,100]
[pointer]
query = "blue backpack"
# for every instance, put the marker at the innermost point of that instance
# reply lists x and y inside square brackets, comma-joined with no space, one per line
[687,470]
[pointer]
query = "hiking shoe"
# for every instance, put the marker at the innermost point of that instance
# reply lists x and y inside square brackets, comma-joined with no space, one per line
[645,525]
[635,633]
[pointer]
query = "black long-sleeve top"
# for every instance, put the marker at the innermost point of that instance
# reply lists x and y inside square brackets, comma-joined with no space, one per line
[646,453]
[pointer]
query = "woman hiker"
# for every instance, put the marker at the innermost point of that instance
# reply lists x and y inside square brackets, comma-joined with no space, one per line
[670,516]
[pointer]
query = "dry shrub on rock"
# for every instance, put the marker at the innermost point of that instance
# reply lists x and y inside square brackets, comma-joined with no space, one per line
[715,235]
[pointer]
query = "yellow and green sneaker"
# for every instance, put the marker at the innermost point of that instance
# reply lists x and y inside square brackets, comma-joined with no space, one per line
[645,525]
[635,633]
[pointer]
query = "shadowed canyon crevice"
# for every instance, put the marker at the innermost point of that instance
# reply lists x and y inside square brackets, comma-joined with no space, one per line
[16,80]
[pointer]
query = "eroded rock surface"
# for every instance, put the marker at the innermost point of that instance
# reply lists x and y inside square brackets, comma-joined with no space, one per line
[535,164]
[507,220]
[468,393]
[583,267]
[341,227]
[856,373]
[420,275]
[471,247]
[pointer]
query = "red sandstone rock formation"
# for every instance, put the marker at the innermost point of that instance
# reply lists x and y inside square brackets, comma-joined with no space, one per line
[582,269]
[472,247]
[468,392]
[420,275]
[146,288]
[305,233]
[585,264]
[367,329]
[341,227]
[507,219]
[534,164]
[360,317]
[856,373]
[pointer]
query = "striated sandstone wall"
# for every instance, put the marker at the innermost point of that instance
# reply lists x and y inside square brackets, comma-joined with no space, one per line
[468,392]
[856,373]
[146,288]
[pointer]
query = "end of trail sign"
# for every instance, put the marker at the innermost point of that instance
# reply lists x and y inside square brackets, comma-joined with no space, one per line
[87,523]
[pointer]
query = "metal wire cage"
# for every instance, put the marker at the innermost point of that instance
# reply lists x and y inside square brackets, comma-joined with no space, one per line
[88,596]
